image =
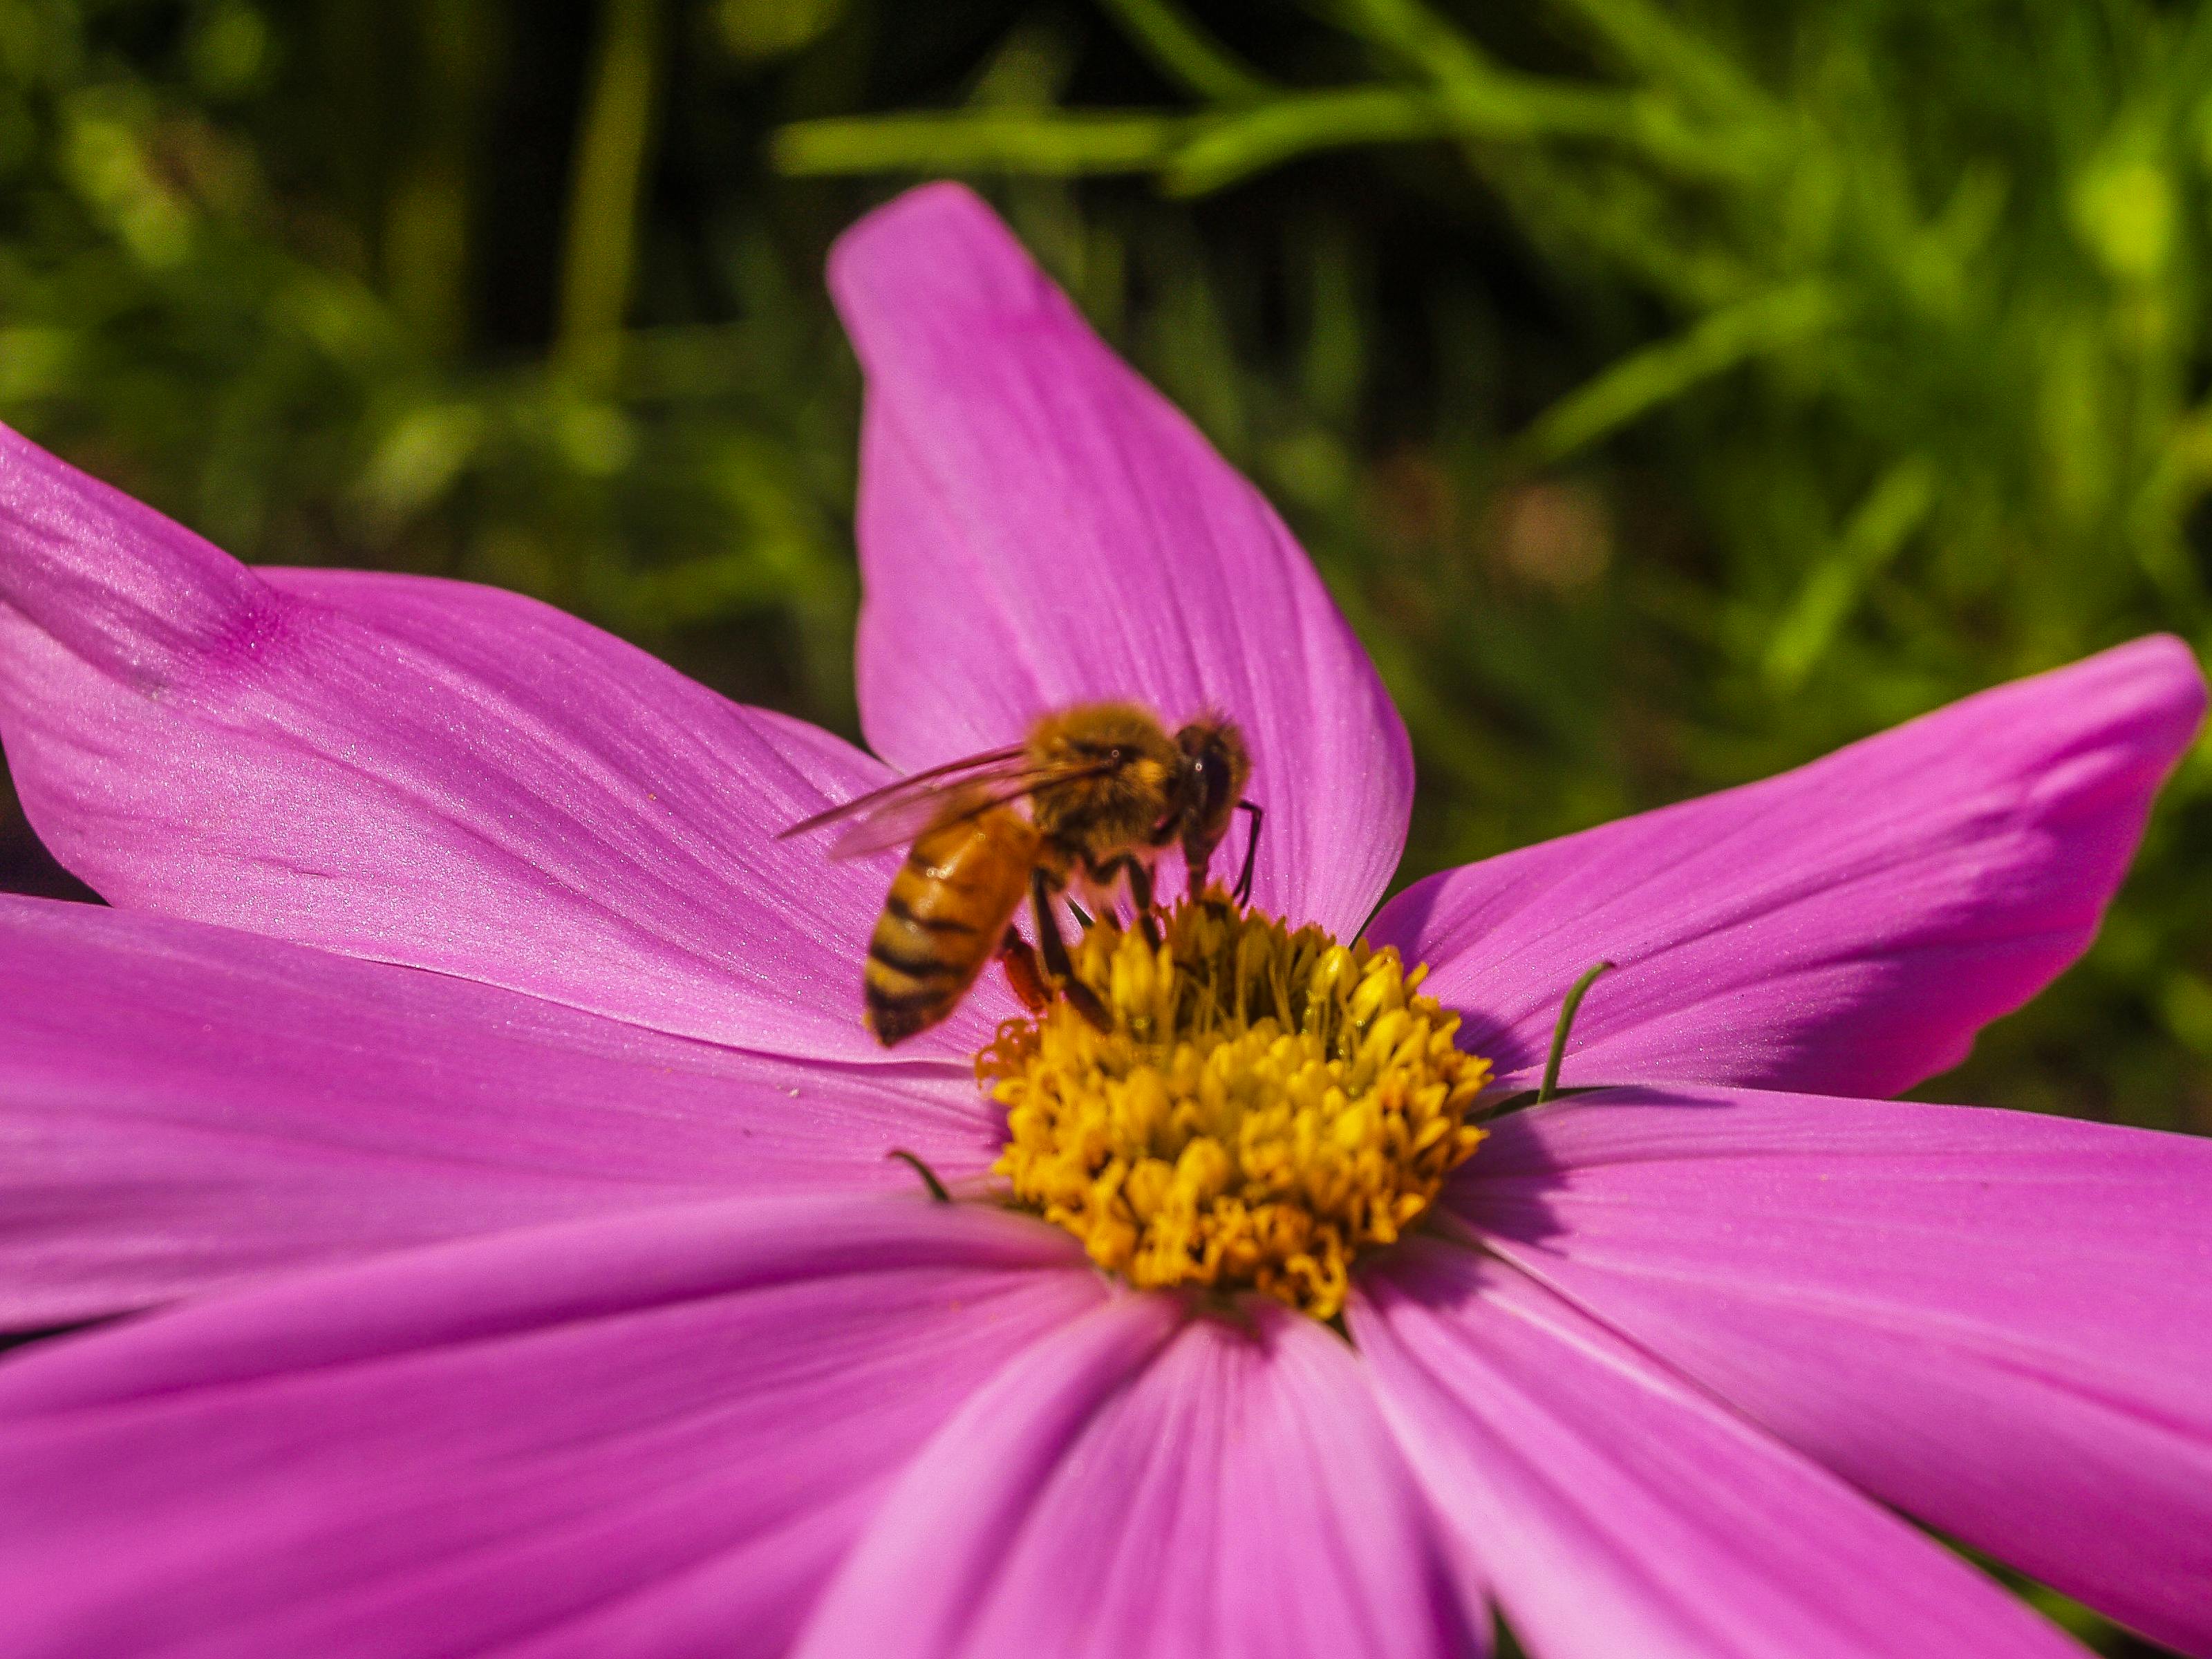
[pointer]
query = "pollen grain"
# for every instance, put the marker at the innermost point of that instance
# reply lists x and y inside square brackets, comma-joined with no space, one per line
[1267,1104]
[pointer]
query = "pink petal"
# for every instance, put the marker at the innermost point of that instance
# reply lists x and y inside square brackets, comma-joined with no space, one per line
[1845,928]
[180,1105]
[1618,1511]
[421,772]
[1038,527]
[655,1435]
[1141,1484]
[2000,1323]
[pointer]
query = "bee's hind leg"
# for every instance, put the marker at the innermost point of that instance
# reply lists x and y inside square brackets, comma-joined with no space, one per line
[1022,972]
[1059,971]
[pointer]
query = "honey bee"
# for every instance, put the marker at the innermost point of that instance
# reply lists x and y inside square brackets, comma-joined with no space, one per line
[1107,790]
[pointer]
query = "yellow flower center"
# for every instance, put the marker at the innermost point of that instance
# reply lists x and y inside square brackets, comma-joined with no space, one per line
[1267,1104]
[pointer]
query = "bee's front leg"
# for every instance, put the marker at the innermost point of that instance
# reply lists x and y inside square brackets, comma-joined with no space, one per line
[1139,877]
[1243,892]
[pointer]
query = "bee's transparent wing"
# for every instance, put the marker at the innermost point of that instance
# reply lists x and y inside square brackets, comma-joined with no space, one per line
[896,814]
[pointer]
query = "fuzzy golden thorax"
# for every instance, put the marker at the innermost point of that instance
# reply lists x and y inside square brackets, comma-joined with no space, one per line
[1117,810]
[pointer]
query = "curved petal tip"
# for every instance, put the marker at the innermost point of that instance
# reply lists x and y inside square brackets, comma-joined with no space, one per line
[1846,927]
[938,245]
[1038,527]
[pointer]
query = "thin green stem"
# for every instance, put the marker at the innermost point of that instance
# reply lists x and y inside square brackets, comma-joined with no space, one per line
[1233,145]
[601,252]
[1631,385]
[1550,1086]
[426,219]
[1049,145]
[1187,51]
[937,1192]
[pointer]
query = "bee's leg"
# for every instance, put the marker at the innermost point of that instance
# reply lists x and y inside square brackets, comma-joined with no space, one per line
[1058,970]
[1243,891]
[1140,890]
[1140,894]
[1022,973]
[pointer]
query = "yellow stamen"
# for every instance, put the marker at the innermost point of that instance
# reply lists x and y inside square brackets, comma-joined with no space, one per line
[1267,1104]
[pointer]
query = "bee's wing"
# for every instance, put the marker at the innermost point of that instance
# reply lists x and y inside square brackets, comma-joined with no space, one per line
[896,814]
[922,785]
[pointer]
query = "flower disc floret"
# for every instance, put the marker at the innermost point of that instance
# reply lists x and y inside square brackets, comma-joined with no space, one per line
[1267,1103]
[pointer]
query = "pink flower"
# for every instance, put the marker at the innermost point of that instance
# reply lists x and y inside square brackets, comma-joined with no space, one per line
[560,1300]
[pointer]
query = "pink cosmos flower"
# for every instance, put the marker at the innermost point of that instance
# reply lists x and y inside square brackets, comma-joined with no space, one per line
[480,1079]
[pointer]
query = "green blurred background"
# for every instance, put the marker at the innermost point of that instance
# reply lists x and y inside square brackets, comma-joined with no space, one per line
[1669,392]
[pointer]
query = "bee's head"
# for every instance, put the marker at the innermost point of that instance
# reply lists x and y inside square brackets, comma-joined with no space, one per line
[1216,766]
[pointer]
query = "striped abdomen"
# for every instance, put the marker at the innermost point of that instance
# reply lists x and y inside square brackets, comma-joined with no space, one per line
[949,907]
